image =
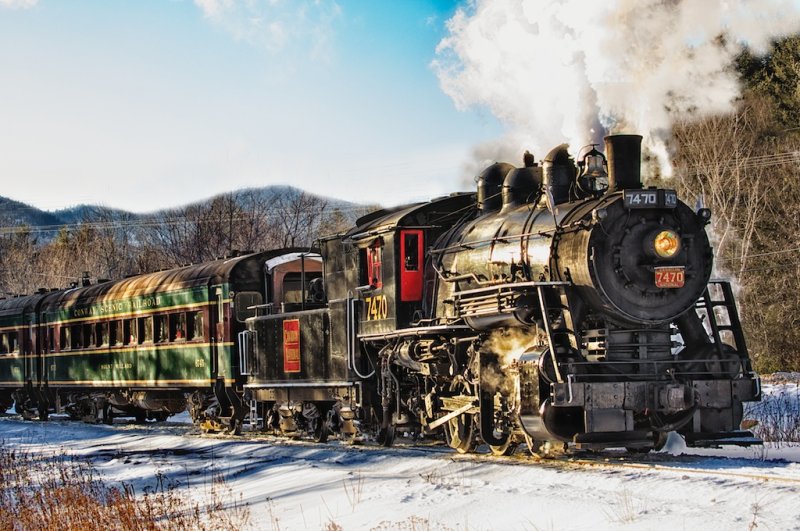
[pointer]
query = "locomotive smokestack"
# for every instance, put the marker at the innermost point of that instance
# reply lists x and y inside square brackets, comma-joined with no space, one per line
[624,155]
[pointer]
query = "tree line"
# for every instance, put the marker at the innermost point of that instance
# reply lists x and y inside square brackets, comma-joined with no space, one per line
[112,244]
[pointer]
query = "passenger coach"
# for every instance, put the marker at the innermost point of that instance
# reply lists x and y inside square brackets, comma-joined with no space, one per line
[145,345]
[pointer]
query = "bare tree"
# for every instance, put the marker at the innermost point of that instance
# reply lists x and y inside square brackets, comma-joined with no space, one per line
[298,215]
[19,274]
[744,169]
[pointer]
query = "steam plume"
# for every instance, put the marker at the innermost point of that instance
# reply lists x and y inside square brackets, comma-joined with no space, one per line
[573,71]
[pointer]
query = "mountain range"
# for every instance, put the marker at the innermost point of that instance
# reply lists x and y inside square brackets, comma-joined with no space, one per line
[17,214]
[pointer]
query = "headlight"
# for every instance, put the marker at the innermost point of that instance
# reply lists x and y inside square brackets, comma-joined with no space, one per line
[667,244]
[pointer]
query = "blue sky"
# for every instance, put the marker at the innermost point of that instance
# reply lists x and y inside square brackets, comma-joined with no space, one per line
[155,103]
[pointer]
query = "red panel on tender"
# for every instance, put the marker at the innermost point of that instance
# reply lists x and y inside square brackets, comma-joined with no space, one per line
[291,345]
[411,262]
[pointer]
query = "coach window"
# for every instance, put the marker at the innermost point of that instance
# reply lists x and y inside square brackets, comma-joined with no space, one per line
[89,339]
[114,337]
[162,333]
[51,336]
[146,329]
[177,326]
[4,344]
[101,334]
[129,331]
[76,336]
[66,338]
[197,325]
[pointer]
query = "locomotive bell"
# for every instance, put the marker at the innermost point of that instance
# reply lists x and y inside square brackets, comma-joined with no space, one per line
[593,178]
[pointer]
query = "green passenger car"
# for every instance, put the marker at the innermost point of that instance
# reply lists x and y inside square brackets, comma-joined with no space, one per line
[146,346]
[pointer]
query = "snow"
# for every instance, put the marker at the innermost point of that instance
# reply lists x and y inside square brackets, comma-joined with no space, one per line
[301,485]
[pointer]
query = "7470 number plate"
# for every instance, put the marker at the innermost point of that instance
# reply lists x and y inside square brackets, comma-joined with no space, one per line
[670,277]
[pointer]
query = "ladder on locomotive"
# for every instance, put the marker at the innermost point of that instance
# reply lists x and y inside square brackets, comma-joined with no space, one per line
[723,299]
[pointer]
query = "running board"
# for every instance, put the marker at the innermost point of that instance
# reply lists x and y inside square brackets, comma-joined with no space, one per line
[711,440]
[613,439]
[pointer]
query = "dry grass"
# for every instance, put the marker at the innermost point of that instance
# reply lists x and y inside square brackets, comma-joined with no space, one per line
[777,417]
[412,523]
[624,508]
[354,489]
[62,492]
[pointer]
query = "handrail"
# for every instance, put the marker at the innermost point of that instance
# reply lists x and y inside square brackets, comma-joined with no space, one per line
[242,337]
[352,339]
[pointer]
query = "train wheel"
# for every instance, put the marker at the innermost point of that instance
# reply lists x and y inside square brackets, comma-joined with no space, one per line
[535,448]
[460,434]
[43,409]
[386,436]
[234,426]
[321,430]
[108,414]
[506,448]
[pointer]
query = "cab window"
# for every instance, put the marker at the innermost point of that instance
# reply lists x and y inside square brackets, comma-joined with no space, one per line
[374,265]
[411,251]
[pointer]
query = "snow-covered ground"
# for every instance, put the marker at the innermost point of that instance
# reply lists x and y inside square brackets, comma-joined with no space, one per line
[297,485]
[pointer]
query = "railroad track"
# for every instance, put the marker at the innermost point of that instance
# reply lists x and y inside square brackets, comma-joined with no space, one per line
[683,465]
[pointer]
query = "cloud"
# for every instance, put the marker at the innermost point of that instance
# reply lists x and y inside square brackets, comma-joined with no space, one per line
[277,25]
[18,4]
[556,71]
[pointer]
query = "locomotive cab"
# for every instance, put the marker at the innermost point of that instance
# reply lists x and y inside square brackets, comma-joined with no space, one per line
[383,265]
[391,278]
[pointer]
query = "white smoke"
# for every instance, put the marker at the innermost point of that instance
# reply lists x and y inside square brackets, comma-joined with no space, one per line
[556,71]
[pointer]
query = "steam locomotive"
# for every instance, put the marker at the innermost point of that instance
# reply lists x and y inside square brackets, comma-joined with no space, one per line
[561,305]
